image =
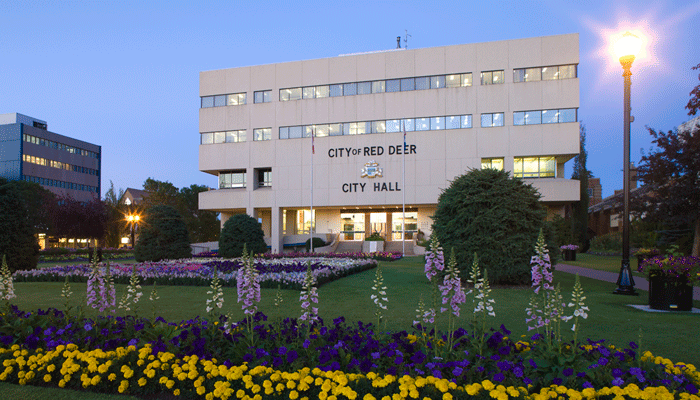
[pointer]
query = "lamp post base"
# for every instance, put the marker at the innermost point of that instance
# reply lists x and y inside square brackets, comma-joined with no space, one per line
[625,281]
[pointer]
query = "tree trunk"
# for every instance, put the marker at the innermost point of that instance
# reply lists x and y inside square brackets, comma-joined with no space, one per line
[696,239]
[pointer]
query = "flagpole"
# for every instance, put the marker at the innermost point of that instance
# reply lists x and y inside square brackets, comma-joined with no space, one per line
[311,228]
[403,193]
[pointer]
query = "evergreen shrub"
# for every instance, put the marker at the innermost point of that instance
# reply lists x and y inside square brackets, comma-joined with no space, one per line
[163,235]
[17,241]
[498,217]
[318,242]
[238,230]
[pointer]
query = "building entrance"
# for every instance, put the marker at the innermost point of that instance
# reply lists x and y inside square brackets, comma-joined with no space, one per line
[353,226]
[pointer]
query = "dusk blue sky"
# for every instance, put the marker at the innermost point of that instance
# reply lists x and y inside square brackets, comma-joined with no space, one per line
[125,75]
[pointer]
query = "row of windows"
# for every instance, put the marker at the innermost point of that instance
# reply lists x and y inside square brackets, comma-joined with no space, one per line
[394,85]
[59,146]
[58,164]
[234,99]
[60,184]
[382,86]
[383,126]
[544,73]
[526,167]
[537,117]
[237,178]
[394,125]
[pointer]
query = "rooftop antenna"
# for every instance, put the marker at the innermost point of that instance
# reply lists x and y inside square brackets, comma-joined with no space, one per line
[398,42]
[405,41]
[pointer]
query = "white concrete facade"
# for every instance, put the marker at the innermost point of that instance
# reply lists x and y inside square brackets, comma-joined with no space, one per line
[434,156]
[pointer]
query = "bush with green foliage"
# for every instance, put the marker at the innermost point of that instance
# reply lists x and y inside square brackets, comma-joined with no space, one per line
[609,243]
[17,241]
[498,217]
[318,242]
[375,237]
[564,231]
[239,230]
[163,235]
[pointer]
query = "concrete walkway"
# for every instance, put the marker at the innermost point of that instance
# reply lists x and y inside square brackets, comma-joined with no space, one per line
[639,282]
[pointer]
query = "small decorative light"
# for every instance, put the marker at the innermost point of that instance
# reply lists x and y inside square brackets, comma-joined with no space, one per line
[628,46]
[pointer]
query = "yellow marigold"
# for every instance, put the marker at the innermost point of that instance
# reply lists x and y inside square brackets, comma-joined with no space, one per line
[291,384]
[95,380]
[169,384]
[61,383]
[279,388]
[369,396]
[473,389]
[201,390]
[142,381]
[47,378]
[588,393]
[322,395]
[488,385]
[176,392]
[293,395]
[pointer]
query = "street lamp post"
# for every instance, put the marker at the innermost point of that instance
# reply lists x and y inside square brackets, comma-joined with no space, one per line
[627,48]
[133,220]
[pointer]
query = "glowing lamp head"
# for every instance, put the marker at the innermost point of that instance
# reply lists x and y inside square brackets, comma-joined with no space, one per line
[133,218]
[627,47]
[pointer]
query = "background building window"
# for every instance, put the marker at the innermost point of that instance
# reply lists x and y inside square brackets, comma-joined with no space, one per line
[491,119]
[236,99]
[534,167]
[232,179]
[492,77]
[263,96]
[262,134]
[494,163]
[264,177]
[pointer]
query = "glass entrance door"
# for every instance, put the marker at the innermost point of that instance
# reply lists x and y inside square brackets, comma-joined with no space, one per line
[378,224]
[411,225]
[353,226]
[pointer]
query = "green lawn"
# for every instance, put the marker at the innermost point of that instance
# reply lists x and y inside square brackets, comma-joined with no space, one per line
[603,263]
[610,317]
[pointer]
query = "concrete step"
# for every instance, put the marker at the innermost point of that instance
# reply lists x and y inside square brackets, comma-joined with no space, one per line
[397,246]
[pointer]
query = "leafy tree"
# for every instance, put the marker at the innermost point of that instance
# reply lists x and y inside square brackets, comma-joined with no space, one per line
[163,236]
[114,228]
[238,230]
[582,173]
[17,241]
[498,217]
[203,225]
[160,193]
[673,173]
[39,203]
[694,102]
[75,219]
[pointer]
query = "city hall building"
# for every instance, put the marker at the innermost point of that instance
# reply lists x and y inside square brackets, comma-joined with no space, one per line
[274,134]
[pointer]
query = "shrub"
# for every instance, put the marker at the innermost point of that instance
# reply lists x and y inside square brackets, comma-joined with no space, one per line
[163,236]
[17,241]
[318,242]
[609,243]
[375,237]
[238,230]
[498,217]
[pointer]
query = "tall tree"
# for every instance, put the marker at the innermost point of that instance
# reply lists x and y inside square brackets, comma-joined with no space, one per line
[203,225]
[694,102]
[580,209]
[160,193]
[673,172]
[17,241]
[115,226]
[75,219]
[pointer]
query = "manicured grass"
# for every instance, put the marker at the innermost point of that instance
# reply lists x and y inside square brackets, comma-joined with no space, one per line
[603,263]
[48,264]
[670,335]
[11,391]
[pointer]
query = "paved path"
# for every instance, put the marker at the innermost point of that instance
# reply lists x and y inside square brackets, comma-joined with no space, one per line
[639,283]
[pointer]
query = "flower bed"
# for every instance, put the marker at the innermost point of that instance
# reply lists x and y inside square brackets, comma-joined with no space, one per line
[63,255]
[286,272]
[198,359]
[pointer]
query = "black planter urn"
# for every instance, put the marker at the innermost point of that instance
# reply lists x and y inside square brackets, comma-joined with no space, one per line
[569,255]
[670,293]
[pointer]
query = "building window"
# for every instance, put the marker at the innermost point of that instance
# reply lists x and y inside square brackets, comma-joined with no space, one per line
[534,167]
[393,85]
[236,99]
[378,87]
[493,163]
[491,119]
[263,177]
[290,94]
[304,221]
[232,179]
[336,90]
[545,116]
[263,96]
[492,77]
[544,73]
[262,134]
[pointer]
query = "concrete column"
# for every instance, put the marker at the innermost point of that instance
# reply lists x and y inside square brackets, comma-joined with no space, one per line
[276,238]
[389,227]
